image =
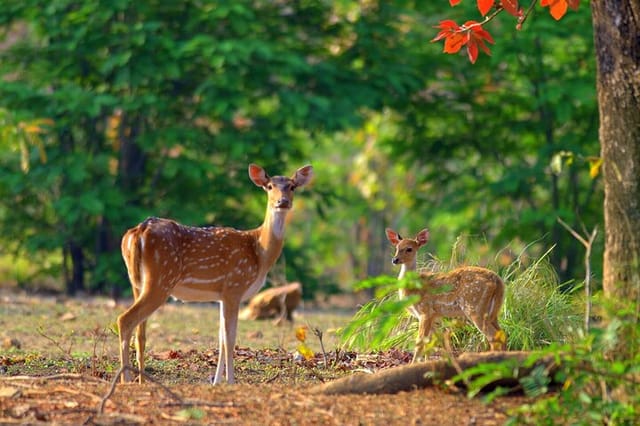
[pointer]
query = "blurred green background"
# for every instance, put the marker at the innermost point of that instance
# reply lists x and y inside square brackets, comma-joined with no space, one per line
[114,111]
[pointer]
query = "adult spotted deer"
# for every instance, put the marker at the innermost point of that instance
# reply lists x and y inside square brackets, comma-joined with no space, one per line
[165,258]
[470,292]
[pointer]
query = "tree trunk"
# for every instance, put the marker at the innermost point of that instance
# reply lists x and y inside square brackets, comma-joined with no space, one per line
[616,26]
[75,281]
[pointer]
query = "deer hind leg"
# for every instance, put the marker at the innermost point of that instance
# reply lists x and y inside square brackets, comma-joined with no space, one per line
[483,318]
[135,316]
[424,330]
[492,330]
[141,341]
[496,336]
[489,328]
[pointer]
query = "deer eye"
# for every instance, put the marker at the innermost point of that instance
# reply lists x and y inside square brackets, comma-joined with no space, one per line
[409,249]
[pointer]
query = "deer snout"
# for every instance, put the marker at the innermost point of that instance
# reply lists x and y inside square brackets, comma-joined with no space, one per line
[283,203]
[395,261]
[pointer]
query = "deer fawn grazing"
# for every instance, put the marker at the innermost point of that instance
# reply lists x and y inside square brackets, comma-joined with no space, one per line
[165,258]
[471,292]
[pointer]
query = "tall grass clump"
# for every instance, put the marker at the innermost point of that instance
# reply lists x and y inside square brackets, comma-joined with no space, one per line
[535,312]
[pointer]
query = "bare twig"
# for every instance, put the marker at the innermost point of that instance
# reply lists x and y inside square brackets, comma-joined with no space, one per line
[588,244]
[116,378]
[41,332]
[487,18]
[61,376]
[526,14]
[318,333]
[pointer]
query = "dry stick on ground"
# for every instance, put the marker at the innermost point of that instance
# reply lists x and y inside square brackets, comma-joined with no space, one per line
[61,376]
[135,371]
[420,375]
[175,396]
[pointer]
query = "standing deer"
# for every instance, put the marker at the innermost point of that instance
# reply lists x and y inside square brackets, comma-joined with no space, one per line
[165,258]
[470,292]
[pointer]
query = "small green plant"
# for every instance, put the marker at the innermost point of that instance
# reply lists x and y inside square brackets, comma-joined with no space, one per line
[591,383]
[383,322]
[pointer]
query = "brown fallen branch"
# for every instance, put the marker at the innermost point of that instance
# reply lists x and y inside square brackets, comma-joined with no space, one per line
[424,374]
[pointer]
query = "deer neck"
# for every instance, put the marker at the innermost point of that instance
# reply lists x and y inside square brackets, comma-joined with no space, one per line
[406,267]
[271,237]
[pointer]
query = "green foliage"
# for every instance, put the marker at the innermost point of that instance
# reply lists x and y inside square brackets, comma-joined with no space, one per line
[154,104]
[380,323]
[593,384]
[157,108]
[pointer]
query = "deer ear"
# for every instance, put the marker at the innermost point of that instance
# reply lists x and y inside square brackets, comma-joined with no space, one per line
[393,237]
[303,175]
[258,175]
[423,237]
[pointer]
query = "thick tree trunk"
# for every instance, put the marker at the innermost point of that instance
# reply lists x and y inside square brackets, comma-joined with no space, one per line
[616,26]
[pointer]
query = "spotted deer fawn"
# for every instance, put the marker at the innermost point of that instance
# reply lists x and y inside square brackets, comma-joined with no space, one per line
[470,292]
[165,258]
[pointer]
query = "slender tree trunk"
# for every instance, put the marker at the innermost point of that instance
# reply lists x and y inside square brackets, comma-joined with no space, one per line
[75,282]
[616,26]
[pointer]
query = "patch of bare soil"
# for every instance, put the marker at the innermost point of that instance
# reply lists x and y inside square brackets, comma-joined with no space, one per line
[274,389]
[85,400]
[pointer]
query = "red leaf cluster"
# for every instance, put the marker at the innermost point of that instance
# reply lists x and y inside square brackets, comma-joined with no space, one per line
[557,8]
[471,34]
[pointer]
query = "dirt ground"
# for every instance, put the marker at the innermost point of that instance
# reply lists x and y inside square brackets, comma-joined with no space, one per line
[59,360]
[79,400]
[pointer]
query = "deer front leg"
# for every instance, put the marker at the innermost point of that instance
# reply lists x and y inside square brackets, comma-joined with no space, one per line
[425,322]
[221,348]
[227,340]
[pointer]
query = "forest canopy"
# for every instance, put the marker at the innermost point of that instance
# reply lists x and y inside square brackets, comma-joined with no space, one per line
[112,112]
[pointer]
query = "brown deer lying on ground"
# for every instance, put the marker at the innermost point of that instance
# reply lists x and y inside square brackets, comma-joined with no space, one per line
[470,292]
[275,302]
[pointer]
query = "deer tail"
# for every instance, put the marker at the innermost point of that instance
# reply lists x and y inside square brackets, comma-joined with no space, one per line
[132,243]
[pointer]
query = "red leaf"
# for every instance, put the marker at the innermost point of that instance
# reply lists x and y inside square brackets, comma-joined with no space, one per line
[573,4]
[454,2]
[557,8]
[484,6]
[476,37]
[512,7]
[448,28]
[480,33]
[472,51]
[454,43]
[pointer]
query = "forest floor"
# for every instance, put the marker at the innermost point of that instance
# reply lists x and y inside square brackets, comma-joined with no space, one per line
[59,360]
